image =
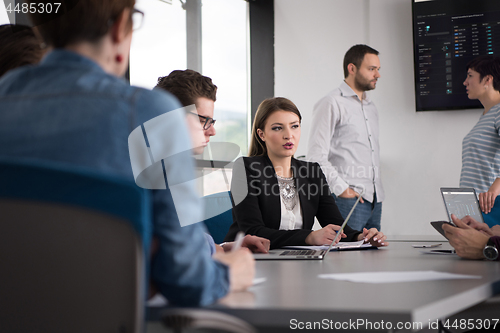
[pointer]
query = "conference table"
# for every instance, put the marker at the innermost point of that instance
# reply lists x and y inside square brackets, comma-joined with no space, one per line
[293,296]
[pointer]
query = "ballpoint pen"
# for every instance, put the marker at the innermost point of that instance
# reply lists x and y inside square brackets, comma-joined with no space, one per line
[238,241]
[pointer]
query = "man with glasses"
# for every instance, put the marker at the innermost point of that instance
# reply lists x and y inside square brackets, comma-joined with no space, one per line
[190,87]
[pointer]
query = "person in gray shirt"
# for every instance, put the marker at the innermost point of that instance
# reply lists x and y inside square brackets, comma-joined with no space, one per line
[344,139]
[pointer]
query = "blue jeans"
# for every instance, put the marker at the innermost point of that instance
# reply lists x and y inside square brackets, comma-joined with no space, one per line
[366,215]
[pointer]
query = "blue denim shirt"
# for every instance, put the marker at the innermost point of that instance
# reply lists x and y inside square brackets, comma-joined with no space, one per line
[67,109]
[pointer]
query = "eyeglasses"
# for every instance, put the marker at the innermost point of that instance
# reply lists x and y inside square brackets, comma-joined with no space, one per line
[137,19]
[208,121]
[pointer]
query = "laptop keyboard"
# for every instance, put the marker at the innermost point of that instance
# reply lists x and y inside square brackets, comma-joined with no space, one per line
[298,253]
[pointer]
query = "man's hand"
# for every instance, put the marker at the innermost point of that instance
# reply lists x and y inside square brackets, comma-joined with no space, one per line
[373,236]
[241,268]
[483,227]
[324,236]
[495,230]
[467,241]
[350,193]
[253,243]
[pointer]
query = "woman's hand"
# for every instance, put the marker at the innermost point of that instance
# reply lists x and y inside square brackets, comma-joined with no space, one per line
[373,236]
[324,236]
[487,200]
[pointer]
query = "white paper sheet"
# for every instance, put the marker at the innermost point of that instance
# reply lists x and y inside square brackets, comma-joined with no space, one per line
[260,280]
[341,245]
[391,277]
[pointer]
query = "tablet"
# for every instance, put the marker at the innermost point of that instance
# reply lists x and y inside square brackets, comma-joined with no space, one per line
[438,225]
[461,202]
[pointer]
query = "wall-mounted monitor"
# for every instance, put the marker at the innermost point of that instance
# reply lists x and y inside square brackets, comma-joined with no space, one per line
[447,34]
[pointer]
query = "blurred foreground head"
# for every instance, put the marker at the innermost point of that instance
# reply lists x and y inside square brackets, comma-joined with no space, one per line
[20,47]
[78,20]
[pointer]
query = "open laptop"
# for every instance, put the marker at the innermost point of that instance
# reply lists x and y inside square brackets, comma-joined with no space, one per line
[304,254]
[461,202]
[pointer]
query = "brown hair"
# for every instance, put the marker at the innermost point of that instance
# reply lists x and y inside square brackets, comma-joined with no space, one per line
[355,56]
[188,86]
[77,20]
[266,108]
[487,65]
[19,47]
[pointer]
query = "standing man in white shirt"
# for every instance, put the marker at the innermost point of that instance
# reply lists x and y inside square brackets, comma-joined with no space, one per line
[344,139]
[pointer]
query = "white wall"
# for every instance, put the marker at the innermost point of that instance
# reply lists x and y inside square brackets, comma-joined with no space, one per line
[420,152]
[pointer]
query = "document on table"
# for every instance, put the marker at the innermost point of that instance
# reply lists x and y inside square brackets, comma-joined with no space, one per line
[339,246]
[391,277]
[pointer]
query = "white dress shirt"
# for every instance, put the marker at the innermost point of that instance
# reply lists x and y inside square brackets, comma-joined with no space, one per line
[344,140]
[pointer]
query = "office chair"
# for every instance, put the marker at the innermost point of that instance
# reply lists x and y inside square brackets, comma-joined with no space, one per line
[218,209]
[180,320]
[72,249]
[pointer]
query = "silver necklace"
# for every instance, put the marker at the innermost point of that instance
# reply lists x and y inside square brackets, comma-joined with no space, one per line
[287,191]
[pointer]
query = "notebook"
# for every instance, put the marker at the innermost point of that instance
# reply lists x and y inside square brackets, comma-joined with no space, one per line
[292,254]
[461,202]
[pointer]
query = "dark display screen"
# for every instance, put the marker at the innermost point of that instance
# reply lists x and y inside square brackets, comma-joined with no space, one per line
[447,34]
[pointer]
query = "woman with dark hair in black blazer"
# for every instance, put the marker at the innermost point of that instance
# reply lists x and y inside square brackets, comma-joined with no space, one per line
[277,196]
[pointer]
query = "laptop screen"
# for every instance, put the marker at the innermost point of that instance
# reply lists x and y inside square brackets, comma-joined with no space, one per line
[461,202]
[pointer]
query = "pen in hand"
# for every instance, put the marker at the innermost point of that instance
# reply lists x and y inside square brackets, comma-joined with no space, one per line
[238,241]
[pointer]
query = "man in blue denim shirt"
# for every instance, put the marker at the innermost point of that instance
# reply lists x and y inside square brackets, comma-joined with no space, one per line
[70,109]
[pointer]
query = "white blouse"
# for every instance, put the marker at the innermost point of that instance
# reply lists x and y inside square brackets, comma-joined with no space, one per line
[291,220]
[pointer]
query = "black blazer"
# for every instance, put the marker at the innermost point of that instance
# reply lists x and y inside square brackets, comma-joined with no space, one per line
[257,207]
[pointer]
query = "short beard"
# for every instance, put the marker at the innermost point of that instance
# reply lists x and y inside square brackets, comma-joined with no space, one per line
[361,86]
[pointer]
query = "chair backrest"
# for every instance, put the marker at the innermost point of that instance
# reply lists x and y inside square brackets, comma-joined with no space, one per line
[218,212]
[72,249]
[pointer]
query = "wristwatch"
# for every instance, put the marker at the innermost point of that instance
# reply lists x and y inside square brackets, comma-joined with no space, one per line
[490,251]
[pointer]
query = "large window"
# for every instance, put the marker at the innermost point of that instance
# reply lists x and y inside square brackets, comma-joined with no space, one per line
[159,46]
[225,61]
